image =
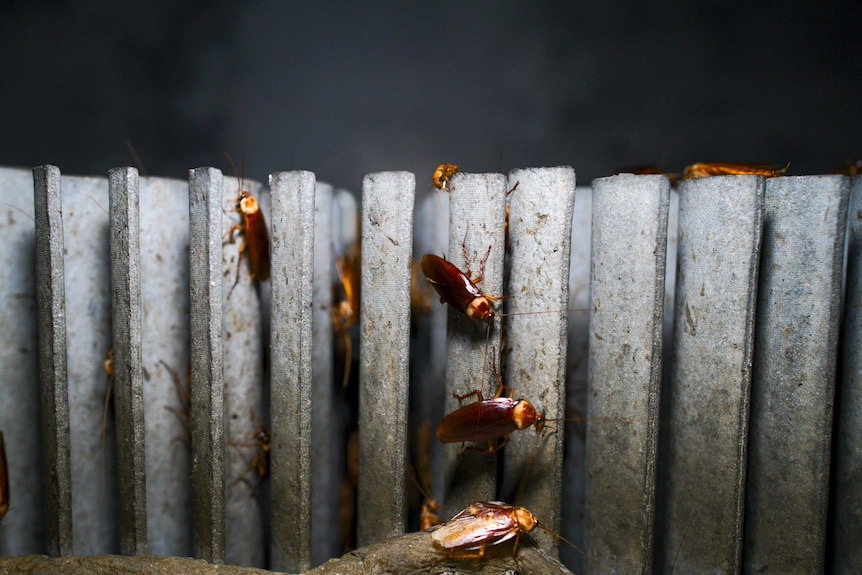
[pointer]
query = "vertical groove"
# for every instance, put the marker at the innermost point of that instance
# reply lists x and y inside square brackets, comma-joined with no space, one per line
[847,520]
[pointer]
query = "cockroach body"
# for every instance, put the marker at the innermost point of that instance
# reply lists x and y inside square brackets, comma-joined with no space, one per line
[4,480]
[442,175]
[256,242]
[345,313]
[489,420]
[484,523]
[457,288]
[421,477]
[704,169]
[481,524]
[255,234]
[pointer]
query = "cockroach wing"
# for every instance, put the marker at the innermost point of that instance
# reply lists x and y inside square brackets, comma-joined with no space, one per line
[489,527]
[453,285]
[479,421]
[257,237]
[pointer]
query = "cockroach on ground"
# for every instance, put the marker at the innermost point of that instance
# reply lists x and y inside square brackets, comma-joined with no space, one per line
[484,523]
[704,169]
[481,524]
[4,480]
[255,234]
[442,175]
[489,420]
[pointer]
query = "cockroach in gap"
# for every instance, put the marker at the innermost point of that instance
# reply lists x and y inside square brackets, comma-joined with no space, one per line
[488,523]
[255,233]
[420,476]
[4,479]
[705,169]
[489,421]
[260,440]
[108,366]
[346,298]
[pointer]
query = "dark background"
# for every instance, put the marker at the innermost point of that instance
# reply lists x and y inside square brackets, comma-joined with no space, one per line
[345,88]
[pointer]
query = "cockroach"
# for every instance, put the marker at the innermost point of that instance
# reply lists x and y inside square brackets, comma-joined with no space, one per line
[704,169]
[484,523]
[108,366]
[442,175]
[421,478]
[255,234]
[851,168]
[489,420]
[458,288]
[4,480]
[420,292]
[345,314]
[259,439]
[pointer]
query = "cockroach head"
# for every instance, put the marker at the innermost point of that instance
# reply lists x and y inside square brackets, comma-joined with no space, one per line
[480,309]
[246,203]
[526,520]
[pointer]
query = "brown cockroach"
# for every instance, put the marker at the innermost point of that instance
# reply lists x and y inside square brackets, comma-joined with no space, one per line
[345,313]
[4,480]
[851,168]
[489,420]
[421,477]
[255,234]
[108,365]
[457,288]
[484,523]
[442,175]
[704,169]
